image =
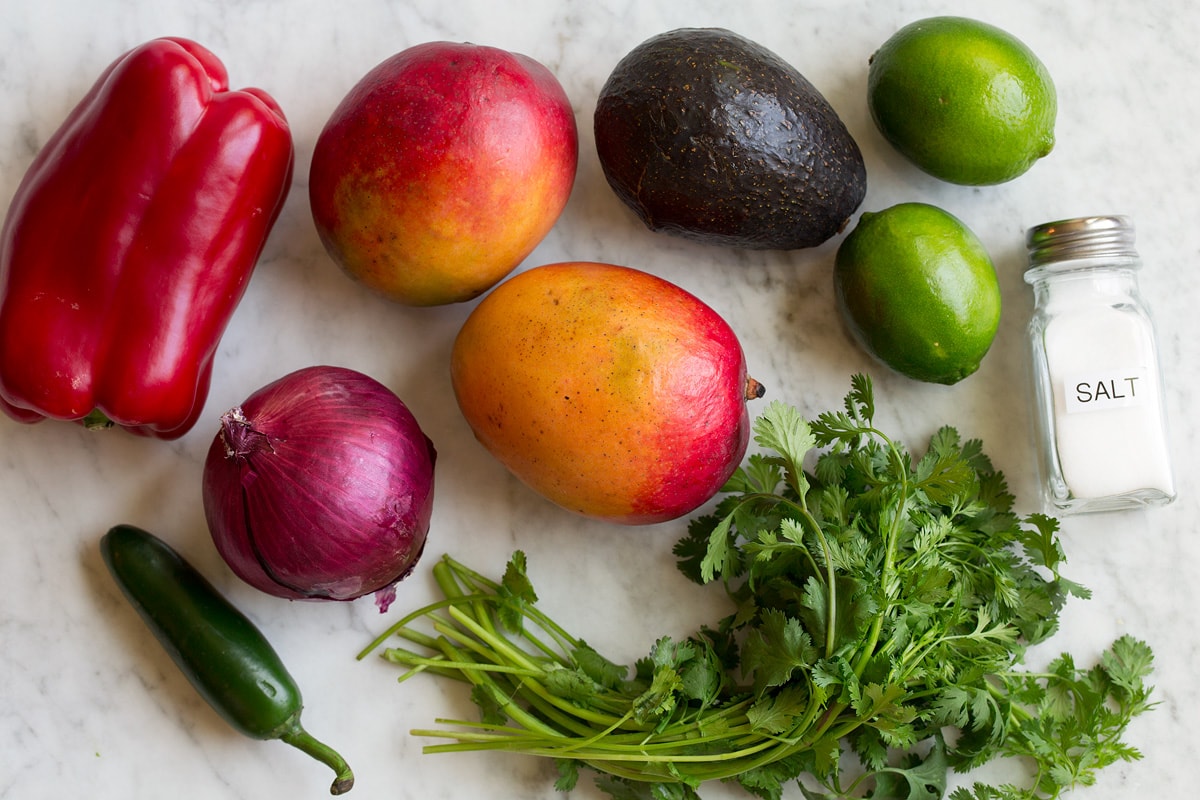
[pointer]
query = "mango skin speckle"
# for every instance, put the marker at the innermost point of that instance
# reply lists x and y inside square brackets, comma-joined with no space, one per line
[610,391]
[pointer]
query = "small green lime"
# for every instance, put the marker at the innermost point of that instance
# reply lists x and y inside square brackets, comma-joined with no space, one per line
[963,100]
[918,290]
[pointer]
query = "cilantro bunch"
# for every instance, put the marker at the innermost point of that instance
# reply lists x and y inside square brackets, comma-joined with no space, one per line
[882,605]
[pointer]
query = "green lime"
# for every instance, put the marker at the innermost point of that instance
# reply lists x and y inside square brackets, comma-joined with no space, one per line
[918,290]
[963,100]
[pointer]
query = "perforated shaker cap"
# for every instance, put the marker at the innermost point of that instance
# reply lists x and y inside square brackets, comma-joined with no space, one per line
[1090,238]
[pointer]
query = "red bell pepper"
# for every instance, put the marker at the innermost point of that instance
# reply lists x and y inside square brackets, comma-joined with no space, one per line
[131,239]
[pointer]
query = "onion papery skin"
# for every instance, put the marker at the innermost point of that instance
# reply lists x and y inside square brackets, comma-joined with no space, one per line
[320,486]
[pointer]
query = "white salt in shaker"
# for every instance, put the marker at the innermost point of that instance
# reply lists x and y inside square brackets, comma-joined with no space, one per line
[1098,384]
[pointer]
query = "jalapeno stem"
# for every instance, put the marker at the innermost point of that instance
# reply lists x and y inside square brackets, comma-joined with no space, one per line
[302,740]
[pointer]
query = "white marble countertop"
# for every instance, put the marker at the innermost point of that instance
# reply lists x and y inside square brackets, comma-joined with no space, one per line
[90,706]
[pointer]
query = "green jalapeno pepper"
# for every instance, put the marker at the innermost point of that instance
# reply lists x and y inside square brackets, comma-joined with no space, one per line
[218,648]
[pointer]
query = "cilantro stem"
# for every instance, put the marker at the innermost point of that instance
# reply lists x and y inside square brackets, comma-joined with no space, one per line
[500,648]
[400,627]
[887,580]
[398,656]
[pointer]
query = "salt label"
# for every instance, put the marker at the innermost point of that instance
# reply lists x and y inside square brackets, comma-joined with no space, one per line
[1106,390]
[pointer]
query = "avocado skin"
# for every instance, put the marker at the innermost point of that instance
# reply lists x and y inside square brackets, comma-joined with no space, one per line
[712,137]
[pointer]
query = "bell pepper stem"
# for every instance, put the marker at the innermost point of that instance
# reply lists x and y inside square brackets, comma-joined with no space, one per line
[302,740]
[97,420]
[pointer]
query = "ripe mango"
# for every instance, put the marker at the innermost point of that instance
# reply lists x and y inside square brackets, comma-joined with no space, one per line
[442,169]
[612,392]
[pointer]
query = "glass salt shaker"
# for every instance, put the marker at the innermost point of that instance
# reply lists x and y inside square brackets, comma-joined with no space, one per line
[1099,406]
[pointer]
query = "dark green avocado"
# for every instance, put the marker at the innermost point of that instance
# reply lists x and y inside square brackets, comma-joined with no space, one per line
[710,136]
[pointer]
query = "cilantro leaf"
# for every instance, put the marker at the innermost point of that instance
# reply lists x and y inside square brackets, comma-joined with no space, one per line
[621,789]
[1128,662]
[782,429]
[776,648]
[516,594]
[777,712]
[918,779]
[568,774]
[598,668]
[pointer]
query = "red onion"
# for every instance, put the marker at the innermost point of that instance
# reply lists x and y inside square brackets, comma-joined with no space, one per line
[320,486]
